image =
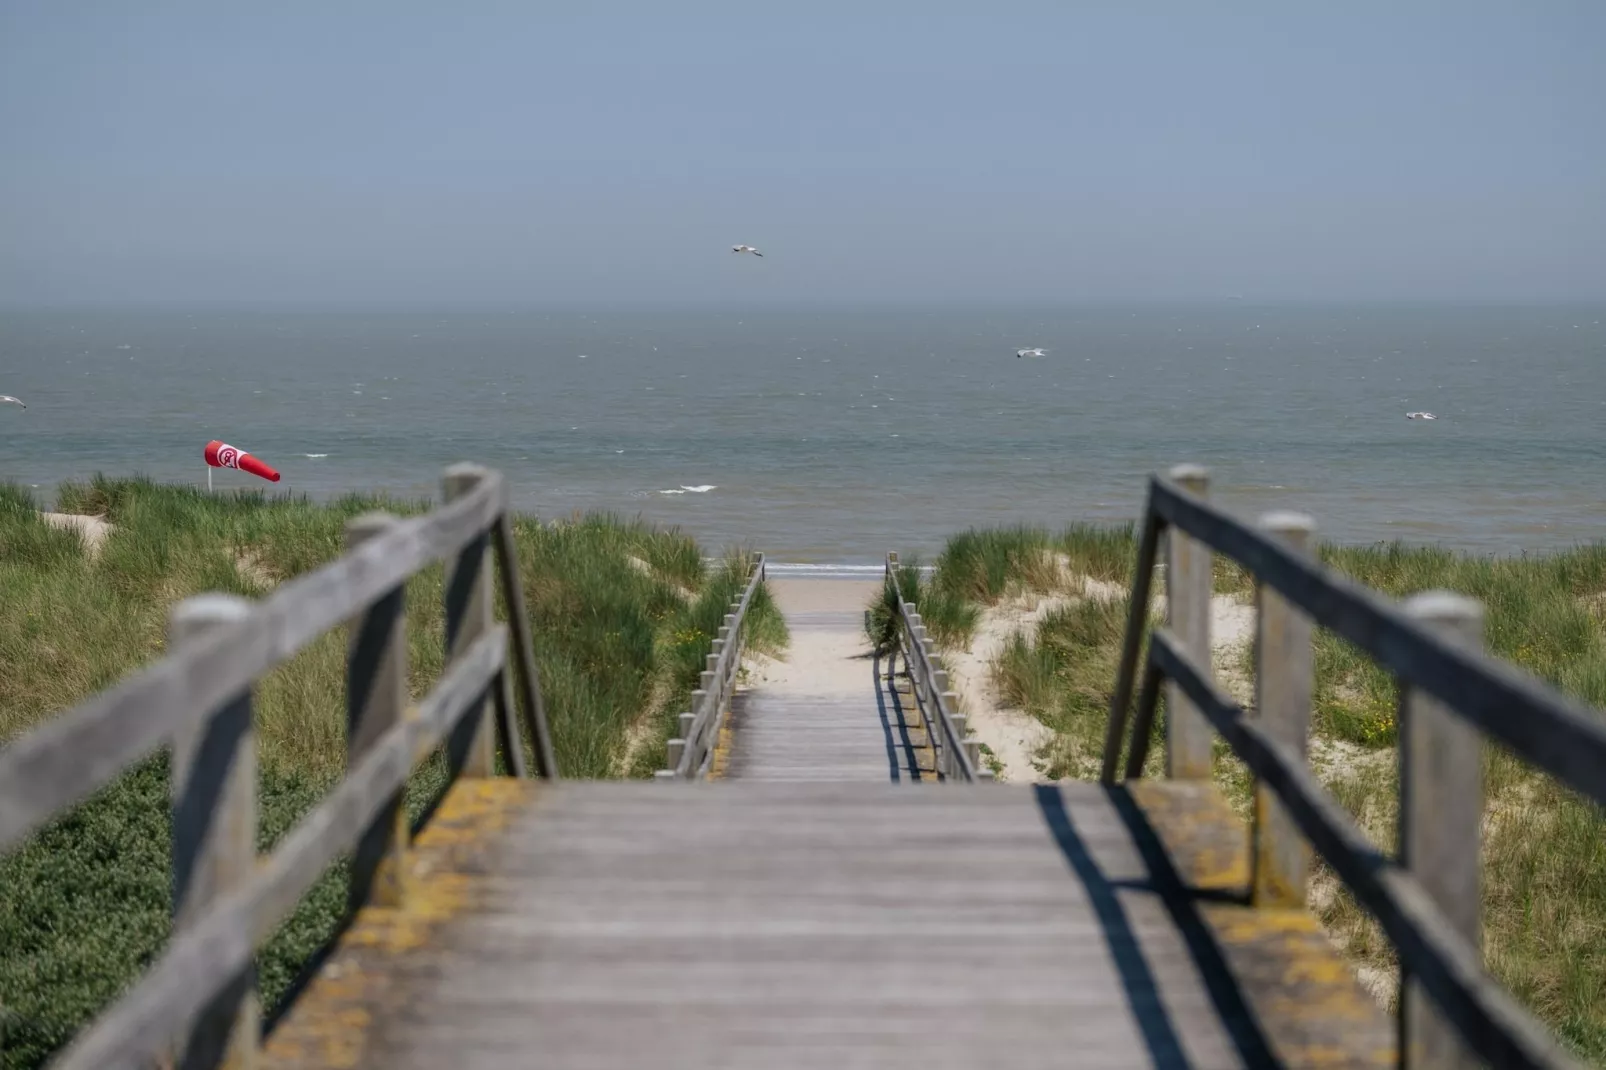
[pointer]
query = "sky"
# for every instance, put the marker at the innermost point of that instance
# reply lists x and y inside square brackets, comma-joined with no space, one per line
[1058,153]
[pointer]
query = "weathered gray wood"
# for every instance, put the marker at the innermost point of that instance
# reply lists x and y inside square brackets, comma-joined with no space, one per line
[72,755]
[1188,739]
[800,732]
[1559,734]
[930,686]
[717,682]
[1143,721]
[213,784]
[376,701]
[817,926]
[468,613]
[1441,814]
[507,726]
[1284,683]
[1445,964]
[518,614]
[1137,620]
[208,955]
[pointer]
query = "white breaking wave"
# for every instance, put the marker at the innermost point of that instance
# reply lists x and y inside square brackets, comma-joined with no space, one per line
[701,489]
[314,456]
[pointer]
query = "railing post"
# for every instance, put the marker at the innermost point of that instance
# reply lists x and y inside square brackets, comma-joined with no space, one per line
[1188,736]
[1441,814]
[518,613]
[376,701]
[1284,682]
[468,616]
[213,782]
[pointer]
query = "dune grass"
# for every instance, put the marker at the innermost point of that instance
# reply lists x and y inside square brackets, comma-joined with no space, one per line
[1544,849]
[621,614]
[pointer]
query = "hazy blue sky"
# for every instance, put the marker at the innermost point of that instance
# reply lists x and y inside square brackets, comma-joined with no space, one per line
[373,153]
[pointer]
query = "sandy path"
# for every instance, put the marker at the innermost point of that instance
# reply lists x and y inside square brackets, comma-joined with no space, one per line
[819,660]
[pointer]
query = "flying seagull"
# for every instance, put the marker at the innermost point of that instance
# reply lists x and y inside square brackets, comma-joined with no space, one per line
[1036,351]
[745,249]
[1420,416]
[9,400]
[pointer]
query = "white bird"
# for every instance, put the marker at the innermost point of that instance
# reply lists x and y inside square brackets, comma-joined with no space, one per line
[1420,416]
[9,400]
[1036,351]
[745,249]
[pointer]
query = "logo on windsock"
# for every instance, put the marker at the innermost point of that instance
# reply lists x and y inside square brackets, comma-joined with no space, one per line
[223,455]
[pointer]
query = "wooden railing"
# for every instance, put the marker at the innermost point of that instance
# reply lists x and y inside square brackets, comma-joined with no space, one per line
[198,1004]
[957,753]
[691,754]
[1427,901]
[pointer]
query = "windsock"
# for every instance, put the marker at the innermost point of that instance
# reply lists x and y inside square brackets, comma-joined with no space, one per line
[223,455]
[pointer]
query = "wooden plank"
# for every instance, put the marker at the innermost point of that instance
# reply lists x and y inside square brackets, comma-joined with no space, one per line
[1285,679]
[1441,815]
[924,667]
[518,614]
[792,925]
[376,701]
[1143,721]
[213,783]
[72,755]
[206,957]
[711,700]
[469,616]
[1137,622]
[1558,734]
[507,726]
[1188,740]
[1448,968]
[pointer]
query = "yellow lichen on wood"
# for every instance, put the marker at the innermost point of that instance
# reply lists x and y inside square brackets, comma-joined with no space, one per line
[330,1024]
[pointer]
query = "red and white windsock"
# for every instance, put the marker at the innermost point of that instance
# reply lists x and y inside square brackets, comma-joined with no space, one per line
[223,455]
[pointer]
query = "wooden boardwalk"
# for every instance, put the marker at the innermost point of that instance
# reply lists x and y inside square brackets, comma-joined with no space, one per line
[818,906]
[827,713]
[820,901]
[735,924]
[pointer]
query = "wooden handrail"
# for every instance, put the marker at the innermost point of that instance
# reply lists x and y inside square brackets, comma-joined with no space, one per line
[1448,966]
[200,997]
[1427,901]
[956,751]
[205,958]
[690,755]
[73,755]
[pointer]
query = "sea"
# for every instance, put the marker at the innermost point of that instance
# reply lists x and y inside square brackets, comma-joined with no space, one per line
[826,437]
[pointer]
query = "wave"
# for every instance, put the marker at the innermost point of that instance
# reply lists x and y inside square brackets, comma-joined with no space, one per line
[314,456]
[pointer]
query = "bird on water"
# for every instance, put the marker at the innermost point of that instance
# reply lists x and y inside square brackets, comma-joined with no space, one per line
[1420,416]
[1035,351]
